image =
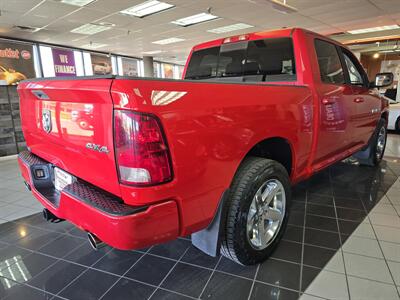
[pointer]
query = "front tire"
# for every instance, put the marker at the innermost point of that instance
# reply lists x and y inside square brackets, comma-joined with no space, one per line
[256,211]
[375,150]
[398,125]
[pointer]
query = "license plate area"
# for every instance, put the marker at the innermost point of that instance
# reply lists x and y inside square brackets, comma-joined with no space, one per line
[62,179]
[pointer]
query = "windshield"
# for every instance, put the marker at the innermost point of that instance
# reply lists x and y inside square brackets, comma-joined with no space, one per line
[264,60]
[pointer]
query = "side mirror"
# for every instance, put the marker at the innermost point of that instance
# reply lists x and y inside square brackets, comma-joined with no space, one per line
[382,80]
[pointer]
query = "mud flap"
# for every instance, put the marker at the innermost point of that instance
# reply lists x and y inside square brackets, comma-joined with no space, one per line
[208,239]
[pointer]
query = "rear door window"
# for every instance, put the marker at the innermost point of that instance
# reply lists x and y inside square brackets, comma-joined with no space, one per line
[330,66]
[266,60]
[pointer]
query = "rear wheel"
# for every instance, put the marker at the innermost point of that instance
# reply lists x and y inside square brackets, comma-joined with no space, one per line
[256,211]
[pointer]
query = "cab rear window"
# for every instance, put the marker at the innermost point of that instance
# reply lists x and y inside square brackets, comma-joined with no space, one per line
[264,60]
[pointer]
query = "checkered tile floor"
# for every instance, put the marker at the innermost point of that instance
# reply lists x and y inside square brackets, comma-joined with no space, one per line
[342,242]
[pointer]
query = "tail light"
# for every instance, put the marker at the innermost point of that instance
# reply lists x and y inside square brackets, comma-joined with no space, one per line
[141,149]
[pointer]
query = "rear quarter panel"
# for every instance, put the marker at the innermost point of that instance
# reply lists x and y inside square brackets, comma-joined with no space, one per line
[210,127]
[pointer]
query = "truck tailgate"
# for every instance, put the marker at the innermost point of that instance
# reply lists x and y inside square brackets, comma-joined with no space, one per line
[69,123]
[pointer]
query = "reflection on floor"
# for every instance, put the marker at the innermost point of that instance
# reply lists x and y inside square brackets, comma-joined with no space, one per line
[343,240]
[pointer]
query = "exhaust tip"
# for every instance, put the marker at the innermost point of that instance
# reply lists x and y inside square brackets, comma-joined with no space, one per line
[50,217]
[95,242]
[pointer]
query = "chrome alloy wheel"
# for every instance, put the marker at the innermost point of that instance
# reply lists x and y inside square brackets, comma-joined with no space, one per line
[266,213]
[380,143]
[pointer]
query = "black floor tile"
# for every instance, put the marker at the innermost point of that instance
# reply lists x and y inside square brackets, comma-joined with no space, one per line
[322,223]
[298,193]
[13,232]
[353,203]
[23,292]
[308,275]
[280,273]
[36,241]
[297,206]
[117,261]
[128,289]
[350,214]
[347,227]
[150,269]
[223,286]
[197,257]
[78,233]
[90,285]
[316,256]
[228,266]
[296,218]
[262,291]
[319,199]
[293,233]
[322,238]
[85,255]
[61,246]
[321,210]
[187,280]
[164,295]
[289,251]
[8,253]
[173,249]
[24,269]
[56,277]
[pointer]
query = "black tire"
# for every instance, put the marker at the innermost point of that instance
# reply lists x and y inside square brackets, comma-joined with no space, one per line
[369,156]
[397,125]
[252,174]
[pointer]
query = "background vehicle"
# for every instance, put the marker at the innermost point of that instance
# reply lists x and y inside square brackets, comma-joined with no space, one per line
[102,68]
[213,155]
[394,116]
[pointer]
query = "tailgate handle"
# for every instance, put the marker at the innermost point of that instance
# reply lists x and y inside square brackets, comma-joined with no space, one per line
[40,94]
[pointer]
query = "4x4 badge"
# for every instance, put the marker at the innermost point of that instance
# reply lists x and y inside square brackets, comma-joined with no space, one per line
[98,148]
[46,120]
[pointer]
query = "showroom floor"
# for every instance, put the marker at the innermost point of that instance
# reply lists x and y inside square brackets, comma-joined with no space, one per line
[343,241]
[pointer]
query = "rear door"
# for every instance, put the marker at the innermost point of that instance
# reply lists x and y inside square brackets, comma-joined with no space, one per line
[69,123]
[367,103]
[336,109]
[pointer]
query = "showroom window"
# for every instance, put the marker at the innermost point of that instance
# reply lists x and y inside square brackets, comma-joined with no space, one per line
[330,66]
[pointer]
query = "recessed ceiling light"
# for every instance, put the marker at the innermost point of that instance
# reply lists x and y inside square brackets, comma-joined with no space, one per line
[168,41]
[147,8]
[77,2]
[374,29]
[195,19]
[90,29]
[94,45]
[152,52]
[107,24]
[229,28]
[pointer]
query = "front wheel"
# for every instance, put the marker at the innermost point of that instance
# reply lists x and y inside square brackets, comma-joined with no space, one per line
[375,150]
[256,211]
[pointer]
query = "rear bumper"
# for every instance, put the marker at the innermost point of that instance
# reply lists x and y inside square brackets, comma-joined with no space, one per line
[94,210]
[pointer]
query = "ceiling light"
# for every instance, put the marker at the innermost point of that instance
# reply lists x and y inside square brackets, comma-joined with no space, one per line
[168,41]
[376,55]
[229,28]
[147,8]
[195,19]
[77,2]
[90,29]
[94,45]
[152,52]
[374,29]
[282,6]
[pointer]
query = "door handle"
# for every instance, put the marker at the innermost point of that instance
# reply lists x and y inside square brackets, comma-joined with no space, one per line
[328,100]
[359,100]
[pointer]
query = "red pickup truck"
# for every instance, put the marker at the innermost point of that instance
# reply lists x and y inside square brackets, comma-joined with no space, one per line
[213,155]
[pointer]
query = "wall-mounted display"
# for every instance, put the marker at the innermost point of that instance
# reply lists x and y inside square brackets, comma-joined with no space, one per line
[16,62]
[101,64]
[64,62]
[130,67]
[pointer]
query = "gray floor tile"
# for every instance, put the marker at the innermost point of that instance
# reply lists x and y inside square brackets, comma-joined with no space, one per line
[363,246]
[395,270]
[329,285]
[363,289]
[391,251]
